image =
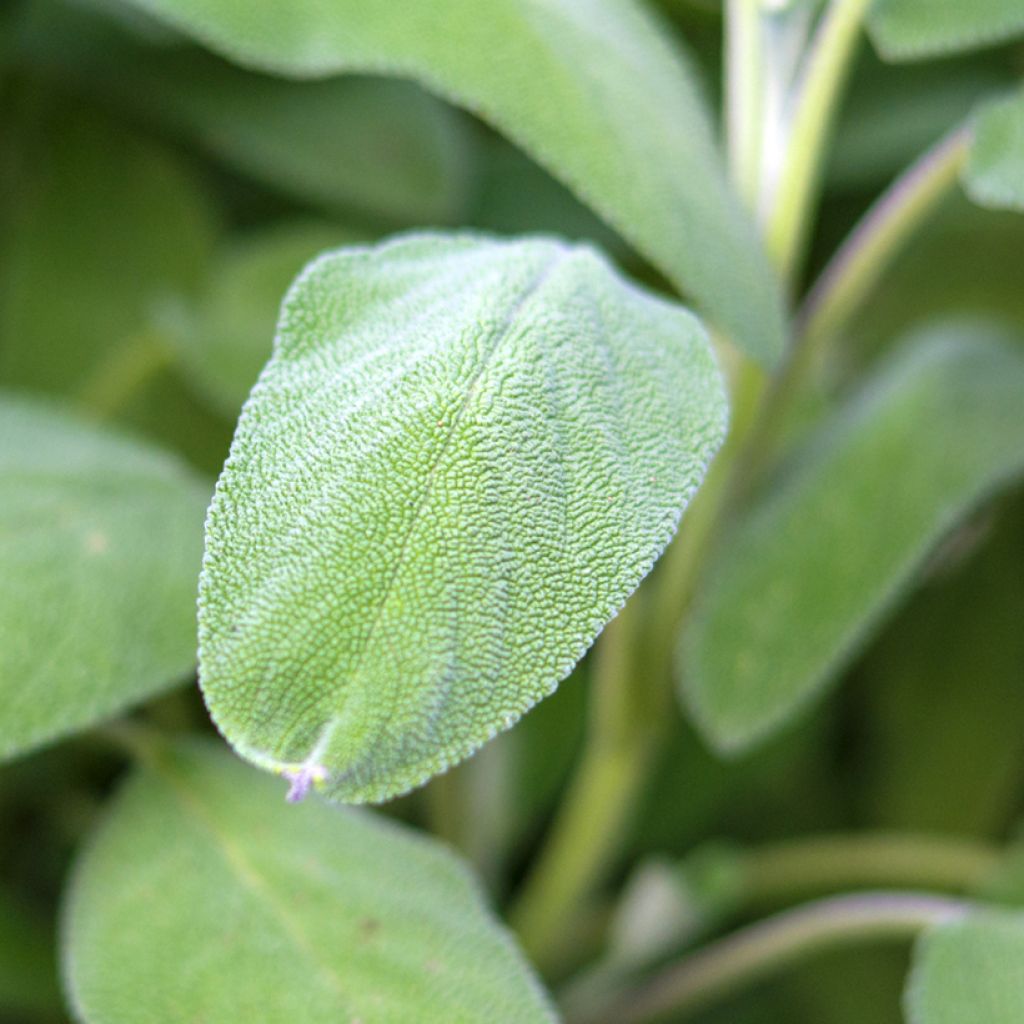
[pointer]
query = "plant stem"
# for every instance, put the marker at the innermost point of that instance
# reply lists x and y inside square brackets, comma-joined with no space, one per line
[798,867]
[824,74]
[594,812]
[772,944]
[743,89]
[848,279]
[863,258]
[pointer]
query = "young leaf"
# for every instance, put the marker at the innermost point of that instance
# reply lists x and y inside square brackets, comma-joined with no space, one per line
[812,568]
[994,175]
[915,29]
[225,344]
[257,911]
[381,147]
[100,544]
[462,457]
[968,970]
[593,90]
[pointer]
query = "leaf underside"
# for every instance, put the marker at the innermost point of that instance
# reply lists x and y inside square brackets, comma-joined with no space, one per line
[202,897]
[461,459]
[812,568]
[592,89]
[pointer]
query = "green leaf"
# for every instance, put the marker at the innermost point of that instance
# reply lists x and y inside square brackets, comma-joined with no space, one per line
[204,897]
[383,147]
[918,29]
[100,544]
[593,90]
[815,565]
[994,175]
[28,969]
[462,457]
[227,341]
[968,971]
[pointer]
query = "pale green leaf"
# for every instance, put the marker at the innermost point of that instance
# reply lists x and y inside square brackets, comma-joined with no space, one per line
[205,897]
[994,175]
[228,339]
[814,566]
[593,89]
[382,147]
[916,29]
[969,971]
[100,545]
[462,457]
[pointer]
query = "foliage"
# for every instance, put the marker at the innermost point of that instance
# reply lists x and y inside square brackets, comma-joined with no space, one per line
[520,389]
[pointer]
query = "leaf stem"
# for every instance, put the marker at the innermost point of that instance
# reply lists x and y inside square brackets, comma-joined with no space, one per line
[593,814]
[743,90]
[848,279]
[825,71]
[120,376]
[774,943]
[798,867]
[858,265]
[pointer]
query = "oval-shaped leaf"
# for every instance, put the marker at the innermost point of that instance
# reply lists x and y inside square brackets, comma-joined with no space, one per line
[379,146]
[968,971]
[462,457]
[918,29]
[257,911]
[814,566]
[100,545]
[593,89]
[994,175]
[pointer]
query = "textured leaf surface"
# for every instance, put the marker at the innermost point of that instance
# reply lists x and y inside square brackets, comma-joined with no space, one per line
[815,565]
[909,29]
[100,545]
[225,344]
[383,147]
[591,88]
[969,971]
[258,911]
[462,457]
[994,175]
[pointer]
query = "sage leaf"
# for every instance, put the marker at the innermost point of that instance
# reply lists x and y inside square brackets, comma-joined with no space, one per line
[968,970]
[919,29]
[462,457]
[592,89]
[257,911]
[994,175]
[814,566]
[100,547]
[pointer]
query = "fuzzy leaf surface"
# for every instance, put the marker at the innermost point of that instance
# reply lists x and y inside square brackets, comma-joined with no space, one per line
[919,29]
[100,545]
[994,175]
[462,457]
[258,911]
[968,970]
[818,561]
[593,89]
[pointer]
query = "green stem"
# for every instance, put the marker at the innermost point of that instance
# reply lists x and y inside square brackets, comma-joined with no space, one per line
[762,949]
[848,280]
[795,868]
[821,84]
[593,815]
[860,262]
[743,93]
